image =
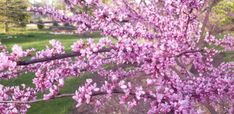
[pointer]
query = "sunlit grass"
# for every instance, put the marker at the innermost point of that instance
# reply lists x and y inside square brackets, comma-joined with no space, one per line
[38,39]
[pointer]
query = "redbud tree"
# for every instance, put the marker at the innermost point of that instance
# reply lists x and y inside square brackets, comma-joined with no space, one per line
[163,40]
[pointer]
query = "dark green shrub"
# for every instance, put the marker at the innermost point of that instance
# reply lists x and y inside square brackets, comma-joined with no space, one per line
[40,25]
[66,24]
[55,23]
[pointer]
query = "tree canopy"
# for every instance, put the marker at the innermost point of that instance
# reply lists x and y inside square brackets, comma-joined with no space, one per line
[14,12]
[222,17]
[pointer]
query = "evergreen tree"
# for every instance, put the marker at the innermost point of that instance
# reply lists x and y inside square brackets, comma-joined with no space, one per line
[13,12]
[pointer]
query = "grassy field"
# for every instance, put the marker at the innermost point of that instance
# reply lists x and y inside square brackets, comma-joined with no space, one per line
[38,40]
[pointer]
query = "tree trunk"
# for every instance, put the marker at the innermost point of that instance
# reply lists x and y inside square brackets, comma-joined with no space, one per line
[6,28]
[6,23]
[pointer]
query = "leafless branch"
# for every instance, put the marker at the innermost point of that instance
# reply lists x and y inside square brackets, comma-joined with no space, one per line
[190,51]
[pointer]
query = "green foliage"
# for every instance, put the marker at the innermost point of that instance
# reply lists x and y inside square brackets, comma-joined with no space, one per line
[66,24]
[40,24]
[38,39]
[14,12]
[221,12]
[55,24]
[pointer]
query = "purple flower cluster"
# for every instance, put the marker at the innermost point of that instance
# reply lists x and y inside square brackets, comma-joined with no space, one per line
[155,39]
[17,93]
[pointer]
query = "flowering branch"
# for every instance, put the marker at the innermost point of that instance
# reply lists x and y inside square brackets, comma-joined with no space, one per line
[151,37]
[68,55]
[115,91]
[38,100]
[61,56]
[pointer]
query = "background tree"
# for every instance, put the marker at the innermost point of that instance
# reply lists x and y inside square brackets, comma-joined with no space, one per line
[13,12]
[222,17]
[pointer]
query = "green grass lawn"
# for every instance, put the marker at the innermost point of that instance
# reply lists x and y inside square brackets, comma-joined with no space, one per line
[38,39]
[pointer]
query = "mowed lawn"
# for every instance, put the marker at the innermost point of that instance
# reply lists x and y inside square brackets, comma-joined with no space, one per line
[38,40]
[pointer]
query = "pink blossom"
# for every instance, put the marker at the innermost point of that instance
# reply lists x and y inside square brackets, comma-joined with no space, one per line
[149,53]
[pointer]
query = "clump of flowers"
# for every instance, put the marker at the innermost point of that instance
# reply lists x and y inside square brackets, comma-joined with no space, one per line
[159,39]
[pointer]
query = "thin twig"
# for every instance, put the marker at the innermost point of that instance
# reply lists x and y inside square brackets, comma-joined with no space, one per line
[115,91]
[191,51]
[37,100]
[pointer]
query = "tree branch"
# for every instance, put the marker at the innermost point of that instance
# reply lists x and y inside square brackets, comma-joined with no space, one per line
[205,22]
[210,108]
[191,51]
[68,55]
[62,56]
[184,66]
[37,100]
[115,91]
